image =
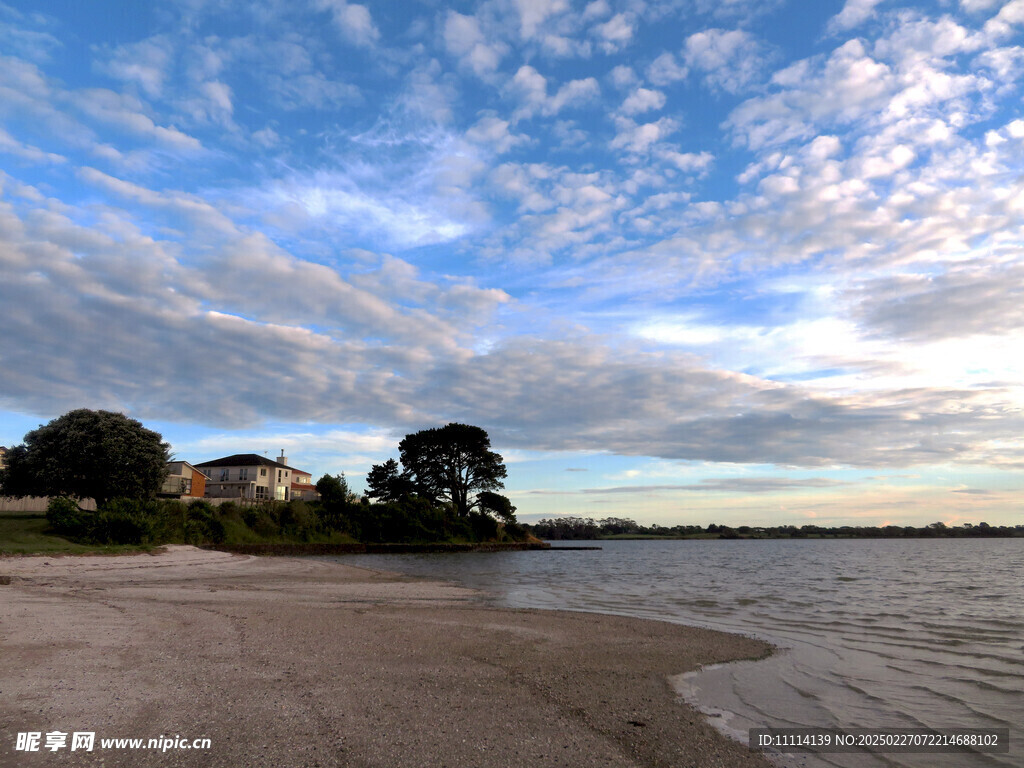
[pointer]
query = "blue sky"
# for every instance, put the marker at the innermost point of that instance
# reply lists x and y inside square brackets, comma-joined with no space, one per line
[685,261]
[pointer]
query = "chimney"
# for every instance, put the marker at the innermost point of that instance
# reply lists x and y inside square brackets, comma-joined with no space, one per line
[282,459]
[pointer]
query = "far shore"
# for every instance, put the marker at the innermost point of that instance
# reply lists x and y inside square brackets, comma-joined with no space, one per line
[298,662]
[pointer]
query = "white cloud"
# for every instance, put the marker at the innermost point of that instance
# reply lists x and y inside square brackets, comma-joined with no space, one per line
[494,132]
[623,77]
[598,9]
[196,212]
[642,100]
[665,70]
[266,137]
[640,138]
[146,63]
[71,119]
[974,6]
[729,59]
[534,13]
[127,113]
[854,13]
[688,162]
[311,90]
[352,20]
[25,35]
[336,203]
[464,39]
[1007,64]
[573,93]
[972,299]
[921,38]
[12,146]
[212,103]
[524,183]
[849,86]
[616,33]
[531,88]
[1003,24]
[560,208]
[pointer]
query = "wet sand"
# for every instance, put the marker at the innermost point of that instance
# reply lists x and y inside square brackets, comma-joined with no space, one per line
[288,662]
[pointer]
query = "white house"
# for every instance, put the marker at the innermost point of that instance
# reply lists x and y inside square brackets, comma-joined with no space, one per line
[248,476]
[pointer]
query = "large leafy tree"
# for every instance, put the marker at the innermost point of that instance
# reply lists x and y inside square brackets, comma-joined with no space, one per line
[385,483]
[497,506]
[452,463]
[87,454]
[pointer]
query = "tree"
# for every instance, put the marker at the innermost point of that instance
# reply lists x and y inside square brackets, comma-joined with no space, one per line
[451,463]
[87,454]
[333,489]
[335,501]
[497,506]
[387,484]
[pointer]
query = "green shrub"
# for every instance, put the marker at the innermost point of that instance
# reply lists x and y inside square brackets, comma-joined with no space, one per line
[169,525]
[485,527]
[516,532]
[124,521]
[263,524]
[200,507]
[204,525]
[298,519]
[65,517]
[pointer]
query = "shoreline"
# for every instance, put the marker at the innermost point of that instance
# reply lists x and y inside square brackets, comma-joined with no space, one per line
[286,662]
[361,548]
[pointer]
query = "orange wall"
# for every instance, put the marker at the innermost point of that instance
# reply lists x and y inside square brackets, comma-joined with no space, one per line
[198,483]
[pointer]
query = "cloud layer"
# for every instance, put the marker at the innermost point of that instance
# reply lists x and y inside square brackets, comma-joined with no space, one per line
[653,231]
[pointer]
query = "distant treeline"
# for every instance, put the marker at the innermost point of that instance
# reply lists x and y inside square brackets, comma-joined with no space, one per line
[564,528]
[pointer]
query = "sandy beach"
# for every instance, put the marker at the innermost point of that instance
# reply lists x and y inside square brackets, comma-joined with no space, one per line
[289,662]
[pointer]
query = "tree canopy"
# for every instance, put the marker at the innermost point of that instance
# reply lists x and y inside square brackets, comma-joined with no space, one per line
[497,506]
[87,454]
[451,464]
[385,482]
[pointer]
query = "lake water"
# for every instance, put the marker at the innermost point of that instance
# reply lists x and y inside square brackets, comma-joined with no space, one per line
[874,633]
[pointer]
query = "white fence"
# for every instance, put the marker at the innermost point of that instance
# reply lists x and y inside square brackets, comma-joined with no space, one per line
[34,504]
[38,504]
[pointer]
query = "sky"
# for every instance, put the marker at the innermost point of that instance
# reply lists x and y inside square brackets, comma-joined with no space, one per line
[686,261]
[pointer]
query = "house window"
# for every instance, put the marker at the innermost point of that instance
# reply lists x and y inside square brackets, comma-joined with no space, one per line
[225,475]
[263,471]
[261,492]
[243,473]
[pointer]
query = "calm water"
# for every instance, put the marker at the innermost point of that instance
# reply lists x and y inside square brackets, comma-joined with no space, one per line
[882,634]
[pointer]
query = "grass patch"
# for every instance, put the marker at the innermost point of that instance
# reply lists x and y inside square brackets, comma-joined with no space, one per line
[24,534]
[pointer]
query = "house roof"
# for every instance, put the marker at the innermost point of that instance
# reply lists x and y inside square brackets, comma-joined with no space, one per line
[244,460]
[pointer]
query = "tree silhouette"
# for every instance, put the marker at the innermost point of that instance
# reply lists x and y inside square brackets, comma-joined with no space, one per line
[386,483]
[497,506]
[451,463]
